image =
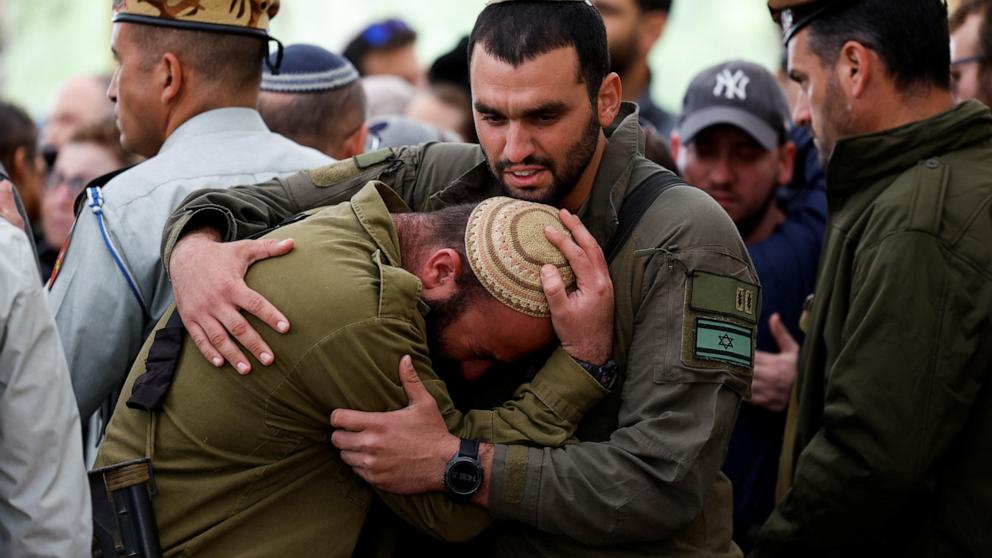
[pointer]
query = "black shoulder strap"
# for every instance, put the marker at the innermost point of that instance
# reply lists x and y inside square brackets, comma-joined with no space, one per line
[635,205]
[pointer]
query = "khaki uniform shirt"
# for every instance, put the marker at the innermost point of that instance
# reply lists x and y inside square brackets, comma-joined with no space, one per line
[646,479]
[895,406]
[244,465]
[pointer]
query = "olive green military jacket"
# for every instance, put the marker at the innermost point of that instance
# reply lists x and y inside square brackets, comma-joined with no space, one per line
[894,438]
[244,465]
[645,480]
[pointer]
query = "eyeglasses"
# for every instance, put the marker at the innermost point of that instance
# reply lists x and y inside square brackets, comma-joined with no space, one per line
[75,183]
[967,60]
[379,34]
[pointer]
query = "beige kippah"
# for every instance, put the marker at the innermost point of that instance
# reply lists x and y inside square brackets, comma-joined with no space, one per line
[507,248]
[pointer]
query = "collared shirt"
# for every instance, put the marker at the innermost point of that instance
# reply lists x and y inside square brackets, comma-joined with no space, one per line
[101,323]
[44,495]
[244,465]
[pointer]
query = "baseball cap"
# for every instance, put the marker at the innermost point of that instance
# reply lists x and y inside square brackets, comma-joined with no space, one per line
[740,94]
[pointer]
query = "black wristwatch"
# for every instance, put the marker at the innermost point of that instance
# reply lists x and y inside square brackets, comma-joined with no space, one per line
[606,374]
[463,474]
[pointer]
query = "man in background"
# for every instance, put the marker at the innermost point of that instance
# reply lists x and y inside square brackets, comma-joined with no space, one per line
[386,48]
[892,455]
[316,100]
[633,27]
[79,100]
[185,90]
[733,142]
[971,51]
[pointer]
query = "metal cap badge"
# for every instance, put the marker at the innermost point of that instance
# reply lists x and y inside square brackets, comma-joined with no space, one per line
[794,15]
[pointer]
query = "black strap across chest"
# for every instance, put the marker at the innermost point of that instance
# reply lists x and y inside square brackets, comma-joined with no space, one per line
[635,205]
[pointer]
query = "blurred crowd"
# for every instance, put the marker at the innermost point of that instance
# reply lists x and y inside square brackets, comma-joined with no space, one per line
[849,423]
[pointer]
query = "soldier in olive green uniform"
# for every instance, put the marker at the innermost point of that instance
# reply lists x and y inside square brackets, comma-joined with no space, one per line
[244,466]
[894,456]
[645,479]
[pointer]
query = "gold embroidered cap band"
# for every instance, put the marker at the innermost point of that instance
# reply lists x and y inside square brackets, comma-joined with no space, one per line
[507,247]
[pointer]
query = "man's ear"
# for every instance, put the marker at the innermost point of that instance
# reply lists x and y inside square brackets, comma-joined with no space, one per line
[171,78]
[438,272]
[855,67]
[610,96]
[649,29]
[786,162]
[676,145]
[355,143]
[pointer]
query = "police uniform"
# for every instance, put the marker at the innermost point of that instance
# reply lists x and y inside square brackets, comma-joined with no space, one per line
[110,286]
[645,480]
[892,447]
[243,465]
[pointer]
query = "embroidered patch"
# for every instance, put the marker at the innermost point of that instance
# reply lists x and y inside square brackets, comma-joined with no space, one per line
[327,175]
[723,341]
[725,295]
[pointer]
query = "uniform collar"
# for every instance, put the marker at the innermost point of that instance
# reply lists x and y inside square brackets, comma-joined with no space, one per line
[864,159]
[229,119]
[373,205]
[625,143]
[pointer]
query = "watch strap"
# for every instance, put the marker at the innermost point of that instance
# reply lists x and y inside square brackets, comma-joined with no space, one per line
[469,448]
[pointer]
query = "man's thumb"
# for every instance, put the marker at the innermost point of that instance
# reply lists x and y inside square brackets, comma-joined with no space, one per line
[784,340]
[412,385]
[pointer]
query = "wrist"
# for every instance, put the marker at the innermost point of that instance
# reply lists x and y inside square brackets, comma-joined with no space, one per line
[444,451]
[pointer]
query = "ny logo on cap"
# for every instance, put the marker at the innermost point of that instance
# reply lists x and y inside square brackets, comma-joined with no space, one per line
[732,85]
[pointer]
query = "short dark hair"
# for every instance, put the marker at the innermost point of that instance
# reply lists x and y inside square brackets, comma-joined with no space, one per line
[229,60]
[443,228]
[655,5]
[387,35]
[316,118]
[17,130]
[911,37]
[517,32]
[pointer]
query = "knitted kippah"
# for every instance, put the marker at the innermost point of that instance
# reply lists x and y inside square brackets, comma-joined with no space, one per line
[309,69]
[507,248]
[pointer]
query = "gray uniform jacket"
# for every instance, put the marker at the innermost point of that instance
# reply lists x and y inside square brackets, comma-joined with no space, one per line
[44,497]
[101,323]
[645,479]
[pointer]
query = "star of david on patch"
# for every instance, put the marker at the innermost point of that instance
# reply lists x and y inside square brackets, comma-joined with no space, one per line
[726,341]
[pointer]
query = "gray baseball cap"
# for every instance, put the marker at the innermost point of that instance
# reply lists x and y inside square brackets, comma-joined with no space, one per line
[740,94]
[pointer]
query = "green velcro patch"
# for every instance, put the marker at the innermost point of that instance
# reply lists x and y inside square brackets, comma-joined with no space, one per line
[723,341]
[515,471]
[725,295]
[328,175]
[366,160]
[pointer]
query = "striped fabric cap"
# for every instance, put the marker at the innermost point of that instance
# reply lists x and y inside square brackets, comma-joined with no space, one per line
[309,69]
[507,247]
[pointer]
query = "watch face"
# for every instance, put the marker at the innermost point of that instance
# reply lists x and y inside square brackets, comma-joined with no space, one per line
[463,476]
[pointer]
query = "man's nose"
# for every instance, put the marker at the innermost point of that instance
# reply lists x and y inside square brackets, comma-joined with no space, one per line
[801,114]
[519,143]
[722,173]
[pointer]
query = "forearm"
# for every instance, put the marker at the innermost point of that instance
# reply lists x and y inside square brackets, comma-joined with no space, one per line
[647,482]
[543,412]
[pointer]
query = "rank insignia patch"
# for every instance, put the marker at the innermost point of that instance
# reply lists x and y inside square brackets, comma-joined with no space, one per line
[722,341]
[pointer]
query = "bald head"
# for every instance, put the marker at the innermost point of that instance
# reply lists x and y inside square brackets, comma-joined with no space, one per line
[78,101]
